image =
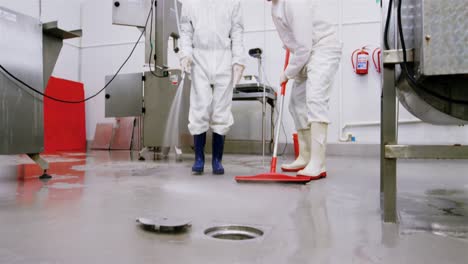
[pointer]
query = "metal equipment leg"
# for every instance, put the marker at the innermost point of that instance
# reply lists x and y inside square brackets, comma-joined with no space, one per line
[264,103]
[178,154]
[42,163]
[142,153]
[165,152]
[263,123]
[388,177]
[272,127]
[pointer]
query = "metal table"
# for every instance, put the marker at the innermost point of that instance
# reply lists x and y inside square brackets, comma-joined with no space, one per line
[262,93]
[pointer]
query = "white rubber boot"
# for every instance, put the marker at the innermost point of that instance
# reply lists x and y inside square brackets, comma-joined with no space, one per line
[318,145]
[304,153]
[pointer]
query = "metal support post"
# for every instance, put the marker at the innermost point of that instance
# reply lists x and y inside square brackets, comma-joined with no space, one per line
[388,177]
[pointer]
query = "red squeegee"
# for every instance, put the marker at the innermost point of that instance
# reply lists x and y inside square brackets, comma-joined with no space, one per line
[273,176]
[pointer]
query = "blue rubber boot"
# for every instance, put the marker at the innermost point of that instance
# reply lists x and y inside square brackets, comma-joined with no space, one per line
[218,149]
[199,141]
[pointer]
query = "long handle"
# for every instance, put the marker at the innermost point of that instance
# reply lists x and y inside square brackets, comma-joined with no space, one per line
[260,74]
[274,159]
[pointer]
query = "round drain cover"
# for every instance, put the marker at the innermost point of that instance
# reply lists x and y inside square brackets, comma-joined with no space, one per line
[234,232]
[164,225]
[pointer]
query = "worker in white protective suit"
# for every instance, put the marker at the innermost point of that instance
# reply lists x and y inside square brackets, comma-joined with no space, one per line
[212,50]
[316,54]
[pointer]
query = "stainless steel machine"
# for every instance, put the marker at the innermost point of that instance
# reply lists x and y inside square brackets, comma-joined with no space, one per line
[28,50]
[151,94]
[426,68]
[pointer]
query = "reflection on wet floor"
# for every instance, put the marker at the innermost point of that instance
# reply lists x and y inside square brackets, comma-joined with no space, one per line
[439,211]
[94,199]
[66,184]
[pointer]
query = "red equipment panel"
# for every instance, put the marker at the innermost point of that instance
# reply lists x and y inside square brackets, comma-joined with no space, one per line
[64,124]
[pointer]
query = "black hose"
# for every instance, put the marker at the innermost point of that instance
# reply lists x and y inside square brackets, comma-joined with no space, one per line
[387,24]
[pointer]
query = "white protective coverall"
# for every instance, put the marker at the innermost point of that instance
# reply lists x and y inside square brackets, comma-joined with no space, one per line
[212,35]
[316,53]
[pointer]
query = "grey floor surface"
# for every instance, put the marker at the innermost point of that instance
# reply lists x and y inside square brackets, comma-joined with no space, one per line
[87,212]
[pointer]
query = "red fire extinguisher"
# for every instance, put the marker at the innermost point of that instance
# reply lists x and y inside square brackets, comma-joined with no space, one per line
[360,61]
[377,59]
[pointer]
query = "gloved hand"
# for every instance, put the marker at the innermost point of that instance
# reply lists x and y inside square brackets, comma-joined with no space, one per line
[283,78]
[237,72]
[186,64]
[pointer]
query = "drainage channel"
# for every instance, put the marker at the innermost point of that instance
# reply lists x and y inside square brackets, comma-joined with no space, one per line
[234,233]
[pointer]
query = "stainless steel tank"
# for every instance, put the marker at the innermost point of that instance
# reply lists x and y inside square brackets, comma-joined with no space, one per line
[437,31]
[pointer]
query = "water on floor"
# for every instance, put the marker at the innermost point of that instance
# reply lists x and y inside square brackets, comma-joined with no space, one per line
[87,212]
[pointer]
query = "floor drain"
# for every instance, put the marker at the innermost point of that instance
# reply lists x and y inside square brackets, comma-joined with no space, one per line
[234,232]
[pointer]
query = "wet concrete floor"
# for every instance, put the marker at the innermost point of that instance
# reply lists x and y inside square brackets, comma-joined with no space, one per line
[87,212]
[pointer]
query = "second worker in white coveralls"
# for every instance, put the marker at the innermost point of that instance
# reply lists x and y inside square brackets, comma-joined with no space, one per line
[316,54]
[212,50]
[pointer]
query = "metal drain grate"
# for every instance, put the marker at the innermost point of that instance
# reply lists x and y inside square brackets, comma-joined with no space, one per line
[234,232]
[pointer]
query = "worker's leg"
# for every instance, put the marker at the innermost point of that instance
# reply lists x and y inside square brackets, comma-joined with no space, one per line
[199,115]
[298,110]
[221,119]
[321,71]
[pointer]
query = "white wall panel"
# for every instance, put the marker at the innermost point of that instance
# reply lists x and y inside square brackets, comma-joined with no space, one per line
[27,7]
[356,11]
